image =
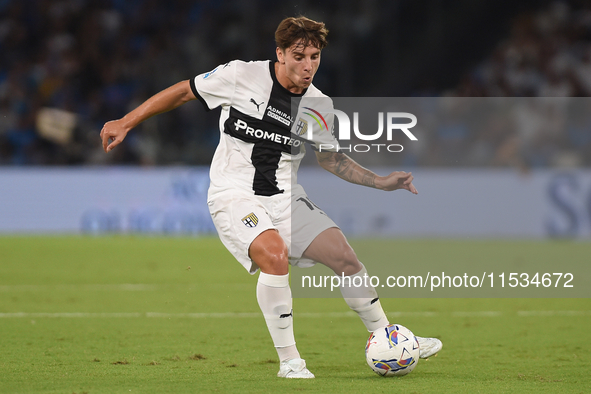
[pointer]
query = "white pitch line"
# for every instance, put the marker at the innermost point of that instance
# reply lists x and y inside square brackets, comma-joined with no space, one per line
[477,314]
[69,314]
[553,313]
[415,314]
[80,287]
[242,315]
[238,315]
[234,315]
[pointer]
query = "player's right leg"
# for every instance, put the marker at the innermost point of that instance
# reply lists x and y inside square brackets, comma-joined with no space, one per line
[249,234]
[269,252]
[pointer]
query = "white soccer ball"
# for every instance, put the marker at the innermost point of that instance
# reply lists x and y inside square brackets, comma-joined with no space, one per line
[392,351]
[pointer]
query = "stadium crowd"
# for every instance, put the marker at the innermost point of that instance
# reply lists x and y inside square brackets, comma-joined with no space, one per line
[547,55]
[68,66]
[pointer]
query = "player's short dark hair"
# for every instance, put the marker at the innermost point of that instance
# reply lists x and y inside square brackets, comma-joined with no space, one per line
[305,30]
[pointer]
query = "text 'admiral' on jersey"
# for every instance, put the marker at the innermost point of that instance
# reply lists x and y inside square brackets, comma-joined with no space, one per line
[279,105]
[280,116]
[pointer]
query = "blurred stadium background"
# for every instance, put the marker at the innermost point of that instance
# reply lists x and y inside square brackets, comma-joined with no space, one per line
[96,59]
[67,67]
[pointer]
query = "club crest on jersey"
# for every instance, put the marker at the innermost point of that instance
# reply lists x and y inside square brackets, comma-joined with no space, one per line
[301,127]
[250,220]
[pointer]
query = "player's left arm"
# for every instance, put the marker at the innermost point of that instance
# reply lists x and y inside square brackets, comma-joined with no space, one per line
[348,169]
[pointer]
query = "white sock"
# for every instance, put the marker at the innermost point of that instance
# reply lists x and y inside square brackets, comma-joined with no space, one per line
[364,300]
[274,298]
[287,353]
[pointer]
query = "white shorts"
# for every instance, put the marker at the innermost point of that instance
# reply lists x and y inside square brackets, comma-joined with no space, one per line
[239,218]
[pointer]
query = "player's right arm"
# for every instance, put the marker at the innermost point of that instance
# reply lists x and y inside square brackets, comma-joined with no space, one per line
[114,132]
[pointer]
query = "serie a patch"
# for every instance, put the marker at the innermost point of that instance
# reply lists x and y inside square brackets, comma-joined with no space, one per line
[250,220]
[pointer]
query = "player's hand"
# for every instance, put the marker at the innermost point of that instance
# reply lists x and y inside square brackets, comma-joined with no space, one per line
[112,134]
[397,180]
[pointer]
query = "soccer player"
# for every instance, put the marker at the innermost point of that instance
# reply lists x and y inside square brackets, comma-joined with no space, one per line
[253,197]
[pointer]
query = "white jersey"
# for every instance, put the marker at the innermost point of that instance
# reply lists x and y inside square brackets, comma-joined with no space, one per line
[261,140]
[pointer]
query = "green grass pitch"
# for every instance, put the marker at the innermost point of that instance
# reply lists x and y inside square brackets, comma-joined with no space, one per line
[179,315]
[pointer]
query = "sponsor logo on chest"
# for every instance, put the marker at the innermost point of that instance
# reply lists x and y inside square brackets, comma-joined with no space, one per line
[279,115]
[241,125]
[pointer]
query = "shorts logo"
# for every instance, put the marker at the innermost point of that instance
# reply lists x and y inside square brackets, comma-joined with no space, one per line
[301,127]
[250,220]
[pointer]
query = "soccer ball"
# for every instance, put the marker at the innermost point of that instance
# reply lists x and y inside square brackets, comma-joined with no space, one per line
[392,351]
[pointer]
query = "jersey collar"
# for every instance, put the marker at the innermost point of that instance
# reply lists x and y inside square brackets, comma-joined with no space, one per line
[275,81]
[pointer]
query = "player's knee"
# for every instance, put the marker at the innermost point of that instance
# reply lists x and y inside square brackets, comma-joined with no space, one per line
[278,258]
[347,262]
[269,253]
[274,261]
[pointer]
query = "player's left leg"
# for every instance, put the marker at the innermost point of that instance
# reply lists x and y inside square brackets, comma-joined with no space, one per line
[331,248]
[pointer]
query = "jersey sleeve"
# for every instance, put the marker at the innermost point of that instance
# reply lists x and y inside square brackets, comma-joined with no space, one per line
[216,87]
